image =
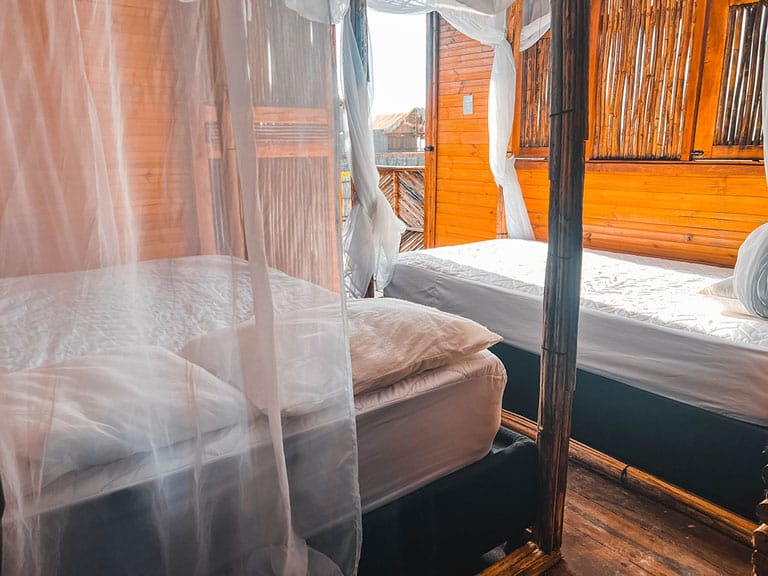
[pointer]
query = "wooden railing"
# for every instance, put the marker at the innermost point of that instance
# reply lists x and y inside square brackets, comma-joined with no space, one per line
[404,188]
[760,538]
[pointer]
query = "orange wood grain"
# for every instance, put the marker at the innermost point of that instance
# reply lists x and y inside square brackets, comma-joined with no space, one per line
[692,211]
[466,199]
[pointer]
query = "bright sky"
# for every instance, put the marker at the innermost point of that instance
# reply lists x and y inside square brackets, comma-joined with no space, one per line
[399,46]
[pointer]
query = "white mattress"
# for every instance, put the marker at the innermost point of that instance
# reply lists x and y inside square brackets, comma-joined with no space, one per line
[408,434]
[427,426]
[642,320]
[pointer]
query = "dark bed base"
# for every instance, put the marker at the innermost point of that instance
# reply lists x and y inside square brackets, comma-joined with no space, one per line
[440,529]
[710,455]
[446,526]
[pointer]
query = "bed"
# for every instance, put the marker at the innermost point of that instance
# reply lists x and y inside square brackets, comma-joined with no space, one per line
[413,436]
[671,380]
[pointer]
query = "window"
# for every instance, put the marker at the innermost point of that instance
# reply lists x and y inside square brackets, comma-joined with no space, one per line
[649,62]
[730,118]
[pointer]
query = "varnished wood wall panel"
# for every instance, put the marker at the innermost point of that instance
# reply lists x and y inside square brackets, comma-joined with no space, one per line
[157,164]
[694,211]
[96,166]
[698,212]
[466,192]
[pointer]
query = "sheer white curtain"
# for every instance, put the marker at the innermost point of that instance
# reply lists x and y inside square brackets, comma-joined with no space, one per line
[372,232]
[174,370]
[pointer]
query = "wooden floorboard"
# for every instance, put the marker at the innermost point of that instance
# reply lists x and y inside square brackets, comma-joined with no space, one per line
[610,530]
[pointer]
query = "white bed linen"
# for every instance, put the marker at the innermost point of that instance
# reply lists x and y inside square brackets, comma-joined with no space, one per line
[409,434]
[642,320]
[48,318]
[427,426]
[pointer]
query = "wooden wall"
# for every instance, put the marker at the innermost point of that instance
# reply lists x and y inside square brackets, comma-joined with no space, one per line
[89,166]
[696,211]
[466,196]
[116,138]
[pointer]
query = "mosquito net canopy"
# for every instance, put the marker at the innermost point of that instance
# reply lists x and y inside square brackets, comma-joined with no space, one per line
[174,372]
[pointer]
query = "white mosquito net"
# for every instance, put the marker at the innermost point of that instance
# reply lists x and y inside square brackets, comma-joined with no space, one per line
[174,372]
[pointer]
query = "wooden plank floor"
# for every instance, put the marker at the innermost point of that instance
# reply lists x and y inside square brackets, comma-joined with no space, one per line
[610,530]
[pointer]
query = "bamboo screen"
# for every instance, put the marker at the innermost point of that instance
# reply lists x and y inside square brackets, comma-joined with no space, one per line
[739,114]
[534,107]
[643,59]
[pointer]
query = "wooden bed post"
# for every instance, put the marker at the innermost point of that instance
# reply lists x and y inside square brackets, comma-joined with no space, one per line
[760,536]
[568,131]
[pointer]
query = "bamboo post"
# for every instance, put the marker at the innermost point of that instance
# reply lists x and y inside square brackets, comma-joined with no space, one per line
[396,192]
[359,16]
[760,539]
[570,66]
[430,129]
[760,553]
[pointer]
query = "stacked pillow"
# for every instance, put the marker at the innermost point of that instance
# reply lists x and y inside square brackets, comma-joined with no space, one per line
[389,340]
[746,292]
[751,273]
[392,339]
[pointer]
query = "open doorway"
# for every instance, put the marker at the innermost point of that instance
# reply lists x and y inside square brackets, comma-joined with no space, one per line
[400,56]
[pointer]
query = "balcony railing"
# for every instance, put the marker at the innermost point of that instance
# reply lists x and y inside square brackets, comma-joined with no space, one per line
[404,188]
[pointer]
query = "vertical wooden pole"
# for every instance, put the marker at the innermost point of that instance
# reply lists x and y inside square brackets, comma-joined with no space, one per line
[760,538]
[396,192]
[430,132]
[570,66]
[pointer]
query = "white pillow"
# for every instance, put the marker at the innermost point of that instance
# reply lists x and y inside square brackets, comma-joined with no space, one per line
[97,409]
[391,339]
[751,272]
[720,289]
[310,354]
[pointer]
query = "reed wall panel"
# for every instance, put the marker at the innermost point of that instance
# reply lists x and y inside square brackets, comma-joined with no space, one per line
[466,199]
[534,78]
[643,56]
[739,110]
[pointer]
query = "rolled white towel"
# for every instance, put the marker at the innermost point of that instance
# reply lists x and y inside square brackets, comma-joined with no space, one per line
[751,273]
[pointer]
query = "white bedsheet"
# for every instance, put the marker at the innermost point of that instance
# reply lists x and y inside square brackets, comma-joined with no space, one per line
[642,320]
[48,318]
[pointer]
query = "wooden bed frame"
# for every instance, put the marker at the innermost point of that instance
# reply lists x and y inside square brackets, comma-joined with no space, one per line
[760,536]
[422,533]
